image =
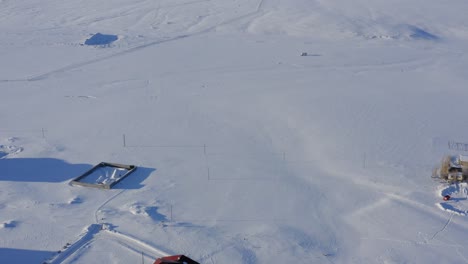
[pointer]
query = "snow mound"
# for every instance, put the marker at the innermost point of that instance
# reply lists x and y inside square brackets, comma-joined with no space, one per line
[342,20]
[458,203]
[101,39]
[419,33]
[9,224]
[75,200]
[6,150]
[406,32]
[138,209]
[147,211]
[325,26]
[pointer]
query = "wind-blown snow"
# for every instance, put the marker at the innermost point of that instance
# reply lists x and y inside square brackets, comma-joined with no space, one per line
[247,152]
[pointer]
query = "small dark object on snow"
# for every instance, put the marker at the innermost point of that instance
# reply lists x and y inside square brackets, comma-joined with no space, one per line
[304,54]
[178,259]
[446,197]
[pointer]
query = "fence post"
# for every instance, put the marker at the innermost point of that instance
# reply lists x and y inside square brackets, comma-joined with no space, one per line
[171,213]
[364,160]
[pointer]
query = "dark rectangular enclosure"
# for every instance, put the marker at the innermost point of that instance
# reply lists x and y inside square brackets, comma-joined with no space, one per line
[104,175]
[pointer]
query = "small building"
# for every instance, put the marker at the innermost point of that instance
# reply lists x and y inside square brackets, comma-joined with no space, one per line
[454,168]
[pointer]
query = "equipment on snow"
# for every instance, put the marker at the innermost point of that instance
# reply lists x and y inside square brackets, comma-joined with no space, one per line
[453,168]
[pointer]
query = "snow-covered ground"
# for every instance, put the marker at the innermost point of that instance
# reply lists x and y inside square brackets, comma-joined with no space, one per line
[247,152]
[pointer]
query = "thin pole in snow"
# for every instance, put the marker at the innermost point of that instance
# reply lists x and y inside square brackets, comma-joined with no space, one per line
[124,143]
[364,160]
[142,258]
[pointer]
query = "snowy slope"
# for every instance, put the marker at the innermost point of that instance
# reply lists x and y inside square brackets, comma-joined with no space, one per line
[247,151]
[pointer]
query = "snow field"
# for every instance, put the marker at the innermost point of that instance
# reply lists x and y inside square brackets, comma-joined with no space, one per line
[246,151]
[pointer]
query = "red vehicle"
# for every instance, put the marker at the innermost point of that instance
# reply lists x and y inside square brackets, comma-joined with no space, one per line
[178,259]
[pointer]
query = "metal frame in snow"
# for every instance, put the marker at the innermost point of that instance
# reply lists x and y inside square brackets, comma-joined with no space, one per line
[78,180]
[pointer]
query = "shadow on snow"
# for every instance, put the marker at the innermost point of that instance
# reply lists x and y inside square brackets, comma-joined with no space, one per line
[101,39]
[56,170]
[135,179]
[39,170]
[13,255]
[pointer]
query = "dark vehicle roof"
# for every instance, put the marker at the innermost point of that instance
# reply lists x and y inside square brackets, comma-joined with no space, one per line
[177,259]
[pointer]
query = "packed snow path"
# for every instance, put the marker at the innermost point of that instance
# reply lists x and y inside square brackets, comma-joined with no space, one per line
[97,233]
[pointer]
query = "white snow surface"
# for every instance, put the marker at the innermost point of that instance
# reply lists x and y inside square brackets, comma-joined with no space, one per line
[247,152]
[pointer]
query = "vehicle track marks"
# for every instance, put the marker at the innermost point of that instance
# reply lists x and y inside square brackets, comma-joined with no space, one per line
[443,228]
[104,204]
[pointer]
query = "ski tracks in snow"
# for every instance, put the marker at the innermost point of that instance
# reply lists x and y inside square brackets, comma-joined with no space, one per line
[136,48]
[95,60]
